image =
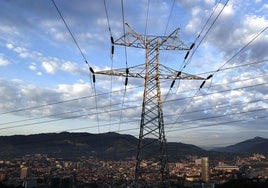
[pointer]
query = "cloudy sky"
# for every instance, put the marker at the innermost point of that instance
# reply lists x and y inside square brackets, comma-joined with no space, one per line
[46,85]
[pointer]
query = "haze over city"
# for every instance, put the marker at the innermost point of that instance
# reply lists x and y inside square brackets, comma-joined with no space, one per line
[46,85]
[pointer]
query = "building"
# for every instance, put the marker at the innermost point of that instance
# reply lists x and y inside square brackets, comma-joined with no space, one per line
[25,173]
[205,169]
[227,168]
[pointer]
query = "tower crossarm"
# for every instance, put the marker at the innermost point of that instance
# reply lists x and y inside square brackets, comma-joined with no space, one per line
[133,39]
[139,72]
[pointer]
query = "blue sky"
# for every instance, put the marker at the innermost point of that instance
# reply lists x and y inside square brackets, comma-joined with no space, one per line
[45,84]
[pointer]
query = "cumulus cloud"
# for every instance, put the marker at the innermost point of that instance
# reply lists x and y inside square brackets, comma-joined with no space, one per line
[3,61]
[9,46]
[19,95]
[49,64]
[50,67]
[32,67]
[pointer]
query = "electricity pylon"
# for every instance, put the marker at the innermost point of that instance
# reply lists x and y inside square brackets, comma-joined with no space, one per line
[152,133]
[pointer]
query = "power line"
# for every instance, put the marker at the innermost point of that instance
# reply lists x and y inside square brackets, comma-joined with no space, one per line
[112,54]
[126,62]
[220,116]
[212,24]
[63,101]
[169,17]
[133,100]
[204,126]
[230,59]
[220,106]
[170,101]
[190,128]
[174,130]
[238,52]
[223,69]
[131,121]
[69,30]
[244,47]
[220,68]
[234,67]
[59,119]
[107,17]
[212,93]
[205,25]
[106,124]
[82,54]
[184,98]
[193,44]
[220,123]
[147,16]
[217,92]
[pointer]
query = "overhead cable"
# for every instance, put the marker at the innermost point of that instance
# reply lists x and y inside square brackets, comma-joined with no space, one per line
[147,16]
[81,52]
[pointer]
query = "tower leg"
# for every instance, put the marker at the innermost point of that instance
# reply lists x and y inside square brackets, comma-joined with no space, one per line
[152,166]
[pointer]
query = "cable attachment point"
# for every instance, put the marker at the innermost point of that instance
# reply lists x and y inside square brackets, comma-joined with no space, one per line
[93,74]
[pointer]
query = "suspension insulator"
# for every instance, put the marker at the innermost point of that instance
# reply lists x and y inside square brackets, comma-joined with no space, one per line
[112,40]
[172,84]
[94,79]
[202,84]
[191,47]
[91,70]
[179,73]
[126,81]
[209,76]
[112,50]
[186,55]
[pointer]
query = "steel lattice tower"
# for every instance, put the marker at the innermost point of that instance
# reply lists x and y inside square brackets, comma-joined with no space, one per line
[152,133]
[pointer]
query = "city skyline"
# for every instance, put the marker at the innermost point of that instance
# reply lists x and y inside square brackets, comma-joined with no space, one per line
[46,85]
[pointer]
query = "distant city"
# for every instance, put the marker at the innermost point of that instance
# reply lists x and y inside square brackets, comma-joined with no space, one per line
[113,165]
[42,171]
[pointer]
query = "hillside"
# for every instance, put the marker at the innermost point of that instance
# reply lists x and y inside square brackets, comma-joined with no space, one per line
[75,145]
[255,145]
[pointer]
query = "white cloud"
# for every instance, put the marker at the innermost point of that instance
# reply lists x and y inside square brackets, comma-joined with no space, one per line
[32,67]
[75,90]
[9,46]
[39,73]
[228,11]
[210,2]
[3,61]
[49,66]
[70,67]
[22,52]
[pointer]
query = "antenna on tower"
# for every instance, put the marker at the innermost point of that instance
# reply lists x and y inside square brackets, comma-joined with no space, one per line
[152,130]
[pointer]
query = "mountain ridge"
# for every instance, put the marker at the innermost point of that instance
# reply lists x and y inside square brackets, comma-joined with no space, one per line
[74,145]
[254,145]
[112,146]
